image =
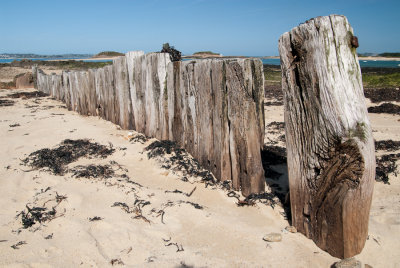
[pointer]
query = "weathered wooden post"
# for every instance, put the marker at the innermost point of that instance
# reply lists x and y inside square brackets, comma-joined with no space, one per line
[330,147]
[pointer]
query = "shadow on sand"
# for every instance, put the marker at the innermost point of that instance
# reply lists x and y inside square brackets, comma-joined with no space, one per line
[276,174]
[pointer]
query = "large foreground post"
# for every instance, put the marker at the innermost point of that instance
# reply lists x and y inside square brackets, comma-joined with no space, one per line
[330,147]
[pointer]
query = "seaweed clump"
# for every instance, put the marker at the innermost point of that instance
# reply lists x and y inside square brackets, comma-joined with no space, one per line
[174,54]
[179,160]
[67,152]
[377,95]
[6,102]
[93,171]
[27,95]
[386,165]
[36,214]
[387,145]
[387,108]
[41,214]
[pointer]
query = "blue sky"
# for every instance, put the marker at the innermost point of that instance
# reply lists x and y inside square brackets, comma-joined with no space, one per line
[230,27]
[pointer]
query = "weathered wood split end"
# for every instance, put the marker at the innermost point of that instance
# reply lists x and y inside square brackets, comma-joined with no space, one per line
[330,147]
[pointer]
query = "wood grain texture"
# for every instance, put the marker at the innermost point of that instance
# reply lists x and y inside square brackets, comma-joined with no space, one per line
[330,147]
[215,111]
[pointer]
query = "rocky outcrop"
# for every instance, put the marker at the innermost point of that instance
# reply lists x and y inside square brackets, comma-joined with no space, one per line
[213,108]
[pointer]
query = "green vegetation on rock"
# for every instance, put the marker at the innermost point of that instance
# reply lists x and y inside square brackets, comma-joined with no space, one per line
[108,54]
[205,53]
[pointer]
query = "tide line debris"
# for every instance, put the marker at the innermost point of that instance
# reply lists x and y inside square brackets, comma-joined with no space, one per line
[20,243]
[387,108]
[117,262]
[93,171]
[386,165]
[178,160]
[176,191]
[40,214]
[387,145]
[95,218]
[67,152]
[27,95]
[6,102]
[169,243]
[377,95]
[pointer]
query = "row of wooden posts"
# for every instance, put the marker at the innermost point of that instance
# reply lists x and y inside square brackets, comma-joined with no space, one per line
[214,109]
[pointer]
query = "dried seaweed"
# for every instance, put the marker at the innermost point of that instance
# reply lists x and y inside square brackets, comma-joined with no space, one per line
[195,205]
[387,108]
[273,92]
[385,165]
[264,198]
[14,125]
[95,218]
[123,206]
[179,160]
[275,127]
[36,214]
[137,208]
[169,243]
[50,236]
[27,95]
[117,262]
[387,145]
[139,138]
[6,102]
[20,243]
[67,152]
[176,191]
[377,95]
[93,171]
[251,200]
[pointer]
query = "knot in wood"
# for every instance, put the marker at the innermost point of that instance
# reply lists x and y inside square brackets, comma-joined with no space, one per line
[354,42]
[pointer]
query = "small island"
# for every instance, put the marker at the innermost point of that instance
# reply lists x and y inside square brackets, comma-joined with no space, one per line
[204,55]
[107,55]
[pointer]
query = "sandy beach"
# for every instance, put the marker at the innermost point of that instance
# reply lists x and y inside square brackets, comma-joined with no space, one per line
[146,215]
[379,58]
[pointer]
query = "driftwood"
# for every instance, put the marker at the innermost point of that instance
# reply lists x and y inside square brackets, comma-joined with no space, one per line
[213,108]
[330,147]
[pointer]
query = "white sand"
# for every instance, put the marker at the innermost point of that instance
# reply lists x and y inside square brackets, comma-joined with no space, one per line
[220,235]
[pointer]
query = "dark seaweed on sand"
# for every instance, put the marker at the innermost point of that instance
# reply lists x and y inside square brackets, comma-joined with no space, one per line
[377,95]
[387,108]
[179,160]
[27,95]
[36,214]
[67,152]
[6,102]
[139,138]
[93,171]
[387,145]
[386,165]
